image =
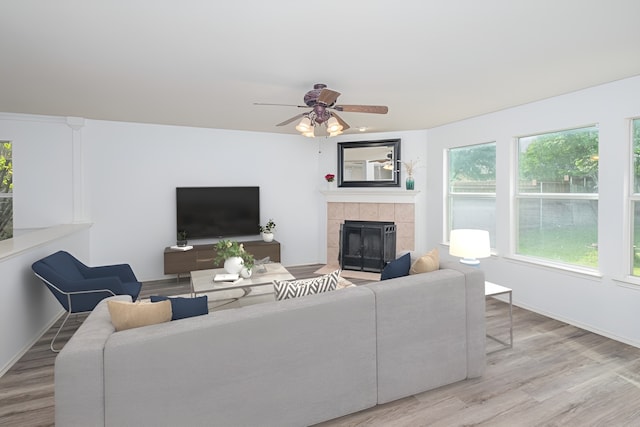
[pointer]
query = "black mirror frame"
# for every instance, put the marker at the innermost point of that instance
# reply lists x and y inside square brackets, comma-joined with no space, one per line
[394,144]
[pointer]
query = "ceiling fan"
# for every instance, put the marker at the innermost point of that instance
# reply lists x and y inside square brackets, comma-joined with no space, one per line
[322,102]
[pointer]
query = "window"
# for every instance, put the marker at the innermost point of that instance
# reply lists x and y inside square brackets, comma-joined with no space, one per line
[472,188]
[635,196]
[557,197]
[6,191]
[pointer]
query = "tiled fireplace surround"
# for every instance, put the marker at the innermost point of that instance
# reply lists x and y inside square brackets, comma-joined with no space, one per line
[403,214]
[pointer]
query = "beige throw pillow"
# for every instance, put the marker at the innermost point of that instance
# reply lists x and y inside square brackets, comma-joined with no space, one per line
[127,315]
[426,263]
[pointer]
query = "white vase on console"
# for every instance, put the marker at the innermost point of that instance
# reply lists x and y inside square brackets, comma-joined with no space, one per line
[233,265]
[267,237]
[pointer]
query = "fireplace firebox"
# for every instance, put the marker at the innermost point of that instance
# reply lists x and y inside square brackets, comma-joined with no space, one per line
[367,245]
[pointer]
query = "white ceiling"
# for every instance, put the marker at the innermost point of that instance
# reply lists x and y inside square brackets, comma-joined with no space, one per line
[204,63]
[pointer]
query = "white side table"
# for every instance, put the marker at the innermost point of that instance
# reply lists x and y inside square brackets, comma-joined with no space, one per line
[492,289]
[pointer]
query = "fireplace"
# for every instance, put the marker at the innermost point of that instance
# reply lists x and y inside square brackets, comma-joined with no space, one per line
[367,245]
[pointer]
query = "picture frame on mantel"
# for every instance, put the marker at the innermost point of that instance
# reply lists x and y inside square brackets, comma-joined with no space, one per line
[369,163]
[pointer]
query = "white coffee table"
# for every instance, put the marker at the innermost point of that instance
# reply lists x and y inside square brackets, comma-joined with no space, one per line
[265,274]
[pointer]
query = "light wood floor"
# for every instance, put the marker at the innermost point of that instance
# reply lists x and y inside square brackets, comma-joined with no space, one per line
[556,375]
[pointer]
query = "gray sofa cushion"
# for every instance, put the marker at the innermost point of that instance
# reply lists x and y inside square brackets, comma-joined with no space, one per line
[421,321]
[294,362]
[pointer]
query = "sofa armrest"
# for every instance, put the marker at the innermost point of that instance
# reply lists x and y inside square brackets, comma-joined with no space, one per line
[476,323]
[79,370]
[421,331]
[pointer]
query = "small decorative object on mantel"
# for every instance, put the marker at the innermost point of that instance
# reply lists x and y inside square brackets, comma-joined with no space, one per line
[330,178]
[267,230]
[408,167]
[233,255]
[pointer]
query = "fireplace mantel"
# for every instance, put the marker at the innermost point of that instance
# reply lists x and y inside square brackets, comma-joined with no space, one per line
[370,195]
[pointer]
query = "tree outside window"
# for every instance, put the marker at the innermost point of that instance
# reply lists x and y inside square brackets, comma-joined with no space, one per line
[472,188]
[635,197]
[6,191]
[557,197]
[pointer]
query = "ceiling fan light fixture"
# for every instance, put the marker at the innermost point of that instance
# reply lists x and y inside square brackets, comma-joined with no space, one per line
[304,125]
[322,102]
[333,125]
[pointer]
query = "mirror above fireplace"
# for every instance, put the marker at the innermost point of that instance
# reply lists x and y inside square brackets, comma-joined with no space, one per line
[369,163]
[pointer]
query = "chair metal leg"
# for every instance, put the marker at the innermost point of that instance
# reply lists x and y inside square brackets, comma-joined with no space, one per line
[58,331]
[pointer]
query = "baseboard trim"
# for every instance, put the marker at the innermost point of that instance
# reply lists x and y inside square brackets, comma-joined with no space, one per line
[28,346]
[580,325]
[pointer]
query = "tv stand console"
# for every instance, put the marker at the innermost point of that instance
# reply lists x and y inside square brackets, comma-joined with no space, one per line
[202,257]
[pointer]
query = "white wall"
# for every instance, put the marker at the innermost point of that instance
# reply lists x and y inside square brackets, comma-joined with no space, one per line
[27,308]
[133,170]
[604,304]
[42,169]
[42,180]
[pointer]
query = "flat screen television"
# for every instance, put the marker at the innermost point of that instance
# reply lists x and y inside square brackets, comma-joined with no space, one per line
[204,212]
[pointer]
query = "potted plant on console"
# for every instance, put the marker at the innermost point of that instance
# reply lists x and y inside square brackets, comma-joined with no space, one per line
[231,254]
[182,239]
[267,231]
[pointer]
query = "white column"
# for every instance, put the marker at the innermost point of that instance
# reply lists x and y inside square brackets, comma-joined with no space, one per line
[80,202]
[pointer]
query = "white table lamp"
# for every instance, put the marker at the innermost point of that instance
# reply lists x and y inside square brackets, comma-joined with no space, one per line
[470,245]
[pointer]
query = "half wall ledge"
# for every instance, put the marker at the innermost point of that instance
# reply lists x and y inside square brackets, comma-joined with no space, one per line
[37,237]
[374,195]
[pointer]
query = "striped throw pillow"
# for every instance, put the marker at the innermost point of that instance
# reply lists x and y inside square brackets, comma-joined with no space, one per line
[286,289]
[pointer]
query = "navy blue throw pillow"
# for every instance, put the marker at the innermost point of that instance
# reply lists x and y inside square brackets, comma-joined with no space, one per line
[185,307]
[397,268]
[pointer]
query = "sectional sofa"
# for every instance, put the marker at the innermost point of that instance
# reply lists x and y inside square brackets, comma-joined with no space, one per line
[287,363]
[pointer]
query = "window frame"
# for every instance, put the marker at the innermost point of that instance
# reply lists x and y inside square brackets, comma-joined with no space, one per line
[517,196]
[632,199]
[451,196]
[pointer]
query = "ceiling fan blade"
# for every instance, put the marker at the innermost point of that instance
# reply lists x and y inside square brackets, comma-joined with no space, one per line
[327,96]
[376,109]
[281,105]
[344,124]
[292,119]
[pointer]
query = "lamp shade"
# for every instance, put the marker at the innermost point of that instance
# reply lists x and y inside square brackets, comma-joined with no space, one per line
[469,244]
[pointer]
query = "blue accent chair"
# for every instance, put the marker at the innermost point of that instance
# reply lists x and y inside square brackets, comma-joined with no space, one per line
[80,288]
